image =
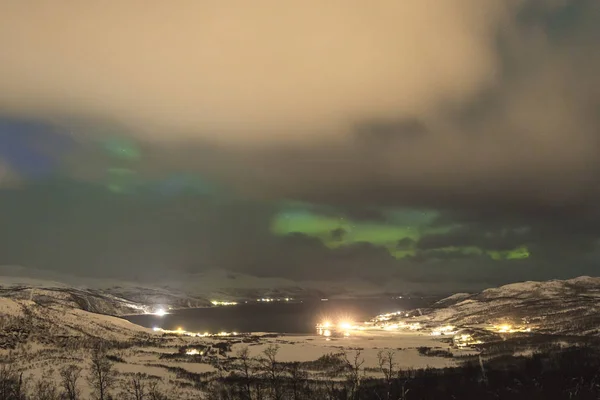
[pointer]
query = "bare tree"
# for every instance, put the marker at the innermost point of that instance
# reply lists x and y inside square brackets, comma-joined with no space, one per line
[354,365]
[45,388]
[273,370]
[102,376]
[69,376]
[331,389]
[135,388]
[388,367]
[154,393]
[483,373]
[245,366]
[298,378]
[12,384]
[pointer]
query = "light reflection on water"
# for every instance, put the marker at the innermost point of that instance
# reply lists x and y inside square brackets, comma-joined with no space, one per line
[296,318]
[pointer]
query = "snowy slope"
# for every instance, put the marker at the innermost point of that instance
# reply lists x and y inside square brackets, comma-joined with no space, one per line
[110,301]
[23,320]
[552,307]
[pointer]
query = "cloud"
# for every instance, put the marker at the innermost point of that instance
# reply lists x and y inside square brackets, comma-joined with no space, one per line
[347,103]
[246,71]
[476,236]
[338,234]
[302,257]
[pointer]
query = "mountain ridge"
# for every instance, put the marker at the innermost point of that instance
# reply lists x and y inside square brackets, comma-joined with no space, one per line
[567,307]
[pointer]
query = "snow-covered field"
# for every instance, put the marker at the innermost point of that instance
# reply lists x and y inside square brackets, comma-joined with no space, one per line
[41,336]
[36,361]
[404,344]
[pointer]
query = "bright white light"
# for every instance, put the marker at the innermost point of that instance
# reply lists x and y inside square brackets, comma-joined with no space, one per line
[192,352]
[345,325]
[156,329]
[160,312]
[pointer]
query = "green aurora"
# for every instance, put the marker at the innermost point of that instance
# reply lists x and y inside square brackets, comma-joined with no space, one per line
[399,233]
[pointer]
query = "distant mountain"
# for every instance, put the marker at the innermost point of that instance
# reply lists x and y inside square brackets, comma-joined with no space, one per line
[119,297]
[115,301]
[570,307]
[125,298]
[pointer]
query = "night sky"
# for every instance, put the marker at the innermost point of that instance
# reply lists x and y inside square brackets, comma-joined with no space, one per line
[449,144]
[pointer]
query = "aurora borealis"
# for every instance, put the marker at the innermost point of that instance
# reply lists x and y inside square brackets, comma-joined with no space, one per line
[443,145]
[399,231]
[400,235]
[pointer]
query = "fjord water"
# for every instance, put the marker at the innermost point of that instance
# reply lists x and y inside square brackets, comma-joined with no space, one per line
[280,317]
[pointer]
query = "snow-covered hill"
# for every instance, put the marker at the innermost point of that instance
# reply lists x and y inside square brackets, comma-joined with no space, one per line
[24,321]
[553,307]
[111,301]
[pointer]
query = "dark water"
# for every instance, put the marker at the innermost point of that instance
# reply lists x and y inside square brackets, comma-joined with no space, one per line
[295,318]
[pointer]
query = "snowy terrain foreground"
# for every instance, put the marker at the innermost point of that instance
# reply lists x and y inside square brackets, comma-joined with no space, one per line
[44,338]
[44,329]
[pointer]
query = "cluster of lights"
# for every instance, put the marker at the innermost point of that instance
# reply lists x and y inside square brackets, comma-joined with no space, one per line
[388,316]
[161,312]
[507,328]
[181,331]
[465,340]
[444,331]
[343,325]
[270,300]
[223,303]
[326,328]
[193,352]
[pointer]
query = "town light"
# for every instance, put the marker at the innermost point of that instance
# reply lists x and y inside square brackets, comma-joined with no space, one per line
[223,303]
[345,325]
